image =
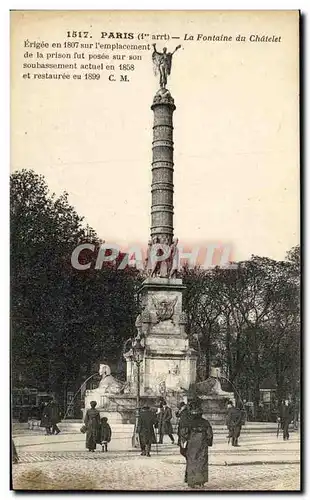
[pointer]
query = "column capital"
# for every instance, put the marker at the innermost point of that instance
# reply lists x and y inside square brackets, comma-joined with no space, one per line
[163,96]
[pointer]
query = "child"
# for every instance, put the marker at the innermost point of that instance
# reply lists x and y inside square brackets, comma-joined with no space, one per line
[105,433]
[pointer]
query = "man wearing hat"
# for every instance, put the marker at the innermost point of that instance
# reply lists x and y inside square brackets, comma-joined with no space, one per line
[285,417]
[234,423]
[196,437]
[164,422]
[145,429]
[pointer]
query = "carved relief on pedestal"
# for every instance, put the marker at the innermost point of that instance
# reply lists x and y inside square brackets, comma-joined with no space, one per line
[173,380]
[170,381]
[164,308]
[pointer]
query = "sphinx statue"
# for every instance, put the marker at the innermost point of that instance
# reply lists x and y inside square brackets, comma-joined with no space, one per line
[212,385]
[108,384]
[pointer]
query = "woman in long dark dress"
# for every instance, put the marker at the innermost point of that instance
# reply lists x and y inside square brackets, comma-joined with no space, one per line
[92,422]
[196,437]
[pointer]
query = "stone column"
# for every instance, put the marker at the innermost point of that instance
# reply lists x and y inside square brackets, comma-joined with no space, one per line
[162,168]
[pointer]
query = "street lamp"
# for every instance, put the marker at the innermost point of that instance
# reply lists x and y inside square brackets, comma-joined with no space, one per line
[137,358]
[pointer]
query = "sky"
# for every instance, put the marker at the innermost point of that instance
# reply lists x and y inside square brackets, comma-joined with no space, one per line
[236,127]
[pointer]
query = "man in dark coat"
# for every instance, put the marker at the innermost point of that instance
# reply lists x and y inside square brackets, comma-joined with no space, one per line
[46,419]
[234,423]
[164,422]
[145,429]
[54,413]
[105,433]
[196,437]
[92,422]
[182,414]
[286,416]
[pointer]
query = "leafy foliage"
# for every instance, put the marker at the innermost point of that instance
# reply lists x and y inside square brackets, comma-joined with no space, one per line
[61,317]
[247,320]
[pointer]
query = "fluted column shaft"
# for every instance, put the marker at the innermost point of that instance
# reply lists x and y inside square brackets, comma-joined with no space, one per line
[162,171]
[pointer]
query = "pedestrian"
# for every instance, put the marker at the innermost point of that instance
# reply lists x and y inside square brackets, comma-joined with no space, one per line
[196,437]
[245,411]
[285,417]
[164,422]
[105,433]
[14,453]
[182,414]
[296,415]
[145,429]
[55,416]
[46,419]
[92,422]
[234,423]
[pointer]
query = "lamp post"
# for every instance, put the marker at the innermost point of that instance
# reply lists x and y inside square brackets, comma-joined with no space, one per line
[137,357]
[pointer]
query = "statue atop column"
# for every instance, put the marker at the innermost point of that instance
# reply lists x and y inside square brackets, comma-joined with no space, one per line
[162,62]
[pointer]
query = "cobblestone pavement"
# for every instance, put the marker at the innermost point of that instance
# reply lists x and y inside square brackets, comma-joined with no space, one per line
[139,473]
[170,454]
[262,462]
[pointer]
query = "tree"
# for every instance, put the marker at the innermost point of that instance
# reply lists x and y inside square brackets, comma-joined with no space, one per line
[247,318]
[284,327]
[43,230]
[203,304]
[63,319]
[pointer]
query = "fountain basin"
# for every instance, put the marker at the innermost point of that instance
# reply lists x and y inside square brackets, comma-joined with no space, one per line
[121,408]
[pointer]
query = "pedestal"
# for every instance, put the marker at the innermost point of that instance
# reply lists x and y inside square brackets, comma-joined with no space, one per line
[169,364]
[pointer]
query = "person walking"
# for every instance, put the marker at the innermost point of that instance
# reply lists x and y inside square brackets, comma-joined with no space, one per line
[285,417]
[145,429]
[164,423]
[105,433]
[196,436]
[296,415]
[92,423]
[46,419]
[234,423]
[54,416]
[182,414]
[14,453]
